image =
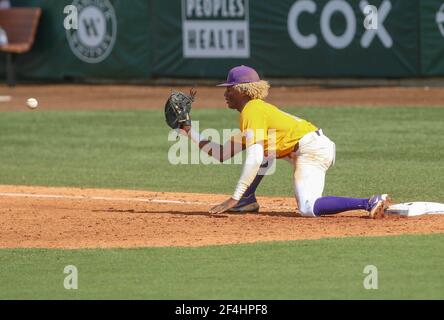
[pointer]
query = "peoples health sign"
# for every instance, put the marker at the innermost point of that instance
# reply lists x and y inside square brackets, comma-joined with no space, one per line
[215,29]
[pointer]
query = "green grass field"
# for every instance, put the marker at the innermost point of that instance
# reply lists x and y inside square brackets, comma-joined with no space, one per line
[409,267]
[396,150]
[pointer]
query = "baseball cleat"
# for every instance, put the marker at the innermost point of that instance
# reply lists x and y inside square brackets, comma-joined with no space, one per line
[248,204]
[252,207]
[377,205]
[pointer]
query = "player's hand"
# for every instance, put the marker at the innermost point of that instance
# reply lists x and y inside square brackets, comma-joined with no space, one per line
[224,206]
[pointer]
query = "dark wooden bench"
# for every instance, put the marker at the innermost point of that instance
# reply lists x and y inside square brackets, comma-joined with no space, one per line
[20,25]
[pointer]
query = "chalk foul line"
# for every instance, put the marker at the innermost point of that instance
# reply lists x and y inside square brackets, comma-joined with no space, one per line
[145,200]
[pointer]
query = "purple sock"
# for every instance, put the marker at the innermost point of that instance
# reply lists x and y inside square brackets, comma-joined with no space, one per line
[332,205]
[253,186]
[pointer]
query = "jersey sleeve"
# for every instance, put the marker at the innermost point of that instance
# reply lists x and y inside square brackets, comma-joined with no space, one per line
[253,126]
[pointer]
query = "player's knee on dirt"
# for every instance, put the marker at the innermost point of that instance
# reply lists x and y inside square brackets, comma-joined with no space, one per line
[306,207]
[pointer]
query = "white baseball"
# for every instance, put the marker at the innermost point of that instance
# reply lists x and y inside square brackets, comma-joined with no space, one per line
[32,103]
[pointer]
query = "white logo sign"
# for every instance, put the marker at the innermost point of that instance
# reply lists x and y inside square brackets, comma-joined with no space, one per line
[380,30]
[71,281]
[93,39]
[343,40]
[72,19]
[226,149]
[371,281]
[371,17]
[215,29]
[440,19]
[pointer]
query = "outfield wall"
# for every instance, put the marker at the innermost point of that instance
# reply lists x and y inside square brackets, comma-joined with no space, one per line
[146,39]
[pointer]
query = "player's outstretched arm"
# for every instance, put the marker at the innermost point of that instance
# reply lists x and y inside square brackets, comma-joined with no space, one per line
[215,150]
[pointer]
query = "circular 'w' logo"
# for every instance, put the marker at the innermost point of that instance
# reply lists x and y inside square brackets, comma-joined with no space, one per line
[94,39]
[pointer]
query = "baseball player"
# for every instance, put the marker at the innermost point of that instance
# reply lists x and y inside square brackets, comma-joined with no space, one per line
[297,141]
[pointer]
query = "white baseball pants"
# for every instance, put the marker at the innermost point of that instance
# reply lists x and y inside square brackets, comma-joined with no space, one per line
[316,153]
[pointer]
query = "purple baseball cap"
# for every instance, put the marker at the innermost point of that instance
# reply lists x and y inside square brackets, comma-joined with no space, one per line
[240,74]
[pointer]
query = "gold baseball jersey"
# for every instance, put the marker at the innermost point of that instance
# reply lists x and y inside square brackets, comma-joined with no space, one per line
[280,131]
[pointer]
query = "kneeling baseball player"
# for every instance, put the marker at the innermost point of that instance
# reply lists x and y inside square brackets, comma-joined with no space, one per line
[298,141]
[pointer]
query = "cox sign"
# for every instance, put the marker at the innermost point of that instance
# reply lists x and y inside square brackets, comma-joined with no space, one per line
[308,41]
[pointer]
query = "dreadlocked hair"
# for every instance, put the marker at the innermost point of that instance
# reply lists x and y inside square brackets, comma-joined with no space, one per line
[255,90]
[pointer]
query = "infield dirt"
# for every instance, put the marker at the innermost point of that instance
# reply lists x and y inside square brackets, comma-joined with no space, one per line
[37,217]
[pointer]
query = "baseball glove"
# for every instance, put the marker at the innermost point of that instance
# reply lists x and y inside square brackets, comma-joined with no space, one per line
[178,108]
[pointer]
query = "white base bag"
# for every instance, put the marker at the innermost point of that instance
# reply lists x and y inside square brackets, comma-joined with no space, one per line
[412,209]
